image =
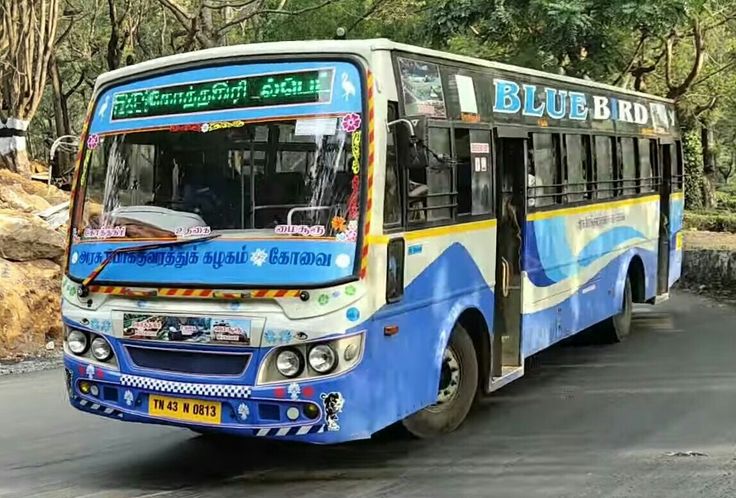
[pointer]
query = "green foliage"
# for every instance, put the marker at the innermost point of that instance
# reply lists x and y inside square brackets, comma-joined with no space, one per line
[694,179]
[711,221]
[726,201]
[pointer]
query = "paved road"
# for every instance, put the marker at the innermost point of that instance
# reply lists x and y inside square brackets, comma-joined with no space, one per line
[586,421]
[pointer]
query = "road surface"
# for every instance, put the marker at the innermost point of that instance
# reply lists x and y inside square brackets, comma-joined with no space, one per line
[654,416]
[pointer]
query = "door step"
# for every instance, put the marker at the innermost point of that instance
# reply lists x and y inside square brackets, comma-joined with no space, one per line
[662,298]
[509,374]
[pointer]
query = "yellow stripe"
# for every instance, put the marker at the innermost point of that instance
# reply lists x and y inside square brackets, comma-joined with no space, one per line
[544,215]
[677,196]
[435,232]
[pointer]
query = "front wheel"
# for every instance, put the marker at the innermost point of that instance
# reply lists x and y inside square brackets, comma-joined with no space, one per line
[456,393]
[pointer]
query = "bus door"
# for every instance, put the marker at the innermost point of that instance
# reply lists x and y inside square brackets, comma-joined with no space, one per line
[664,166]
[511,181]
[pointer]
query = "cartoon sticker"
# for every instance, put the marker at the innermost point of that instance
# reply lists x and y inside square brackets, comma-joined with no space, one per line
[308,231]
[348,88]
[274,337]
[351,122]
[333,404]
[243,411]
[128,397]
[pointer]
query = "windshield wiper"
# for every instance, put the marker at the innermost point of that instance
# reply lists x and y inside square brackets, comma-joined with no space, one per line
[84,288]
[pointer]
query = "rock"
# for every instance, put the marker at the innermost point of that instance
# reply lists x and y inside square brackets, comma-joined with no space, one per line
[30,301]
[50,346]
[20,200]
[24,237]
[26,187]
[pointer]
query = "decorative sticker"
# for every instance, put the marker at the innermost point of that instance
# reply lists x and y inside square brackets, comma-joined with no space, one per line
[323,299]
[258,257]
[319,127]
[186,329]
[415,249]
[200,231]
[351,122]
[93,141]
[350,290]
[339,224]
[186,128]
[306,230]
[422,88]
[353,314]
[343,260]
[279,392]
[353,200]
[243,411]
[275,337]
[223,125]
[128,397]
[333,404]
[104,233]
[104,326]
[294,391]
[348,88]
[356,152]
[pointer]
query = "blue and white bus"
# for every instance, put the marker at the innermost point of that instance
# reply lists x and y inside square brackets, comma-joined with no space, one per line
[315,240]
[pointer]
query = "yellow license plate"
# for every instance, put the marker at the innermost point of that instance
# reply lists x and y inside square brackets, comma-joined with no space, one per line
[187,410]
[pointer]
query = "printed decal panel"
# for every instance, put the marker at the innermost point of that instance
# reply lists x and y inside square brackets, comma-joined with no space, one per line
[225,93]
[563,252]
[226,262]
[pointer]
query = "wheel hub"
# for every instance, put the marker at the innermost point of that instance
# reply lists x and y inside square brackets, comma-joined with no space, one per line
[449,378]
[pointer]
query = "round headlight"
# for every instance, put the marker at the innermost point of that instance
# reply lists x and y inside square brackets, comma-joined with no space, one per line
[322,358]
[77,341]
[101,349]
[289,363]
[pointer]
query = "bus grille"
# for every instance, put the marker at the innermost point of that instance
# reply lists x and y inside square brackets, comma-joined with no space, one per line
[188,362]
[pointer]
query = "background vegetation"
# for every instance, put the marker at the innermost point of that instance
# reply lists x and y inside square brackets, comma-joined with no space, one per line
[52,50]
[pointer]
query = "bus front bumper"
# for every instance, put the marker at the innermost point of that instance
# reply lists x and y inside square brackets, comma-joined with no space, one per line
[326,411]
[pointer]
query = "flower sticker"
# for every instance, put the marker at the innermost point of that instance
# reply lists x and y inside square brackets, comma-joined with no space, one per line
[323,299]
[351,122]
[342,237]
[353,225]
[294,391]
[338,224]
[205,128]
[258,257]
[93,141]
[350,290]
[352,235]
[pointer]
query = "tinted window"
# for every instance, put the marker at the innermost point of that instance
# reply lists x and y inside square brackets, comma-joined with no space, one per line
[604,167]
[645,154]
[542,180]
[464,172]
[392,192]
[575,168]
[628,157]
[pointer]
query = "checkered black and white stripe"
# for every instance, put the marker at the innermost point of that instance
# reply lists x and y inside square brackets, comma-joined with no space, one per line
[110,412]
[289,431]
[167,386]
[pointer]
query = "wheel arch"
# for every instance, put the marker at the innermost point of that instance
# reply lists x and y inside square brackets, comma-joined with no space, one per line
[476,325]
[637,276]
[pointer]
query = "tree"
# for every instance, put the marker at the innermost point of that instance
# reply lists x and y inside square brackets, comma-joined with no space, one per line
[28,35]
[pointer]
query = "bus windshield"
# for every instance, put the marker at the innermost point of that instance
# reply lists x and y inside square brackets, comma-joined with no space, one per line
[288,177]
[269,157]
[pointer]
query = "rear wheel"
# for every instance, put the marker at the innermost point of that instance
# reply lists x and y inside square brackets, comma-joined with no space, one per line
[456,393]
[618,327]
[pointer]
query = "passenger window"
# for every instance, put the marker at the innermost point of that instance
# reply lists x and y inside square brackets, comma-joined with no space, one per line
[604,167]
[645,165]
[542,175]
[576,185]
[677,168]
[439,176]
[628,156]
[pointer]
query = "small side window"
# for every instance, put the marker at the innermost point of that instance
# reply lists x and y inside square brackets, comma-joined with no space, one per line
[604,167]
[576,186]
[645,163]
[392,189]
[542,175]
[628,156]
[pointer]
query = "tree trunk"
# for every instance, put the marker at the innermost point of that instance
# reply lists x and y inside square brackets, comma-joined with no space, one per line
[710,169]
[61,119]
[13,146]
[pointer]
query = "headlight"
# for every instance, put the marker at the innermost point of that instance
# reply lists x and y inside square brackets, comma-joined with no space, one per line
[289,363]
[77,341]
[322,358]
[101,349]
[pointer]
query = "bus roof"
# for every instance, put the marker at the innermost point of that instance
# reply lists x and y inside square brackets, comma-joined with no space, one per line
[359,47]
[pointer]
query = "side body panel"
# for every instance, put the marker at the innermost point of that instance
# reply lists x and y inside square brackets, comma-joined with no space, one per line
[677,209]
[576,262]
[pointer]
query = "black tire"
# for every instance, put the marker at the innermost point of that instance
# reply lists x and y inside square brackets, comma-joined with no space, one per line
[618,327]
[446,416]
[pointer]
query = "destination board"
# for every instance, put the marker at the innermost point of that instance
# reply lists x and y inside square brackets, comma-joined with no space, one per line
[304,87]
